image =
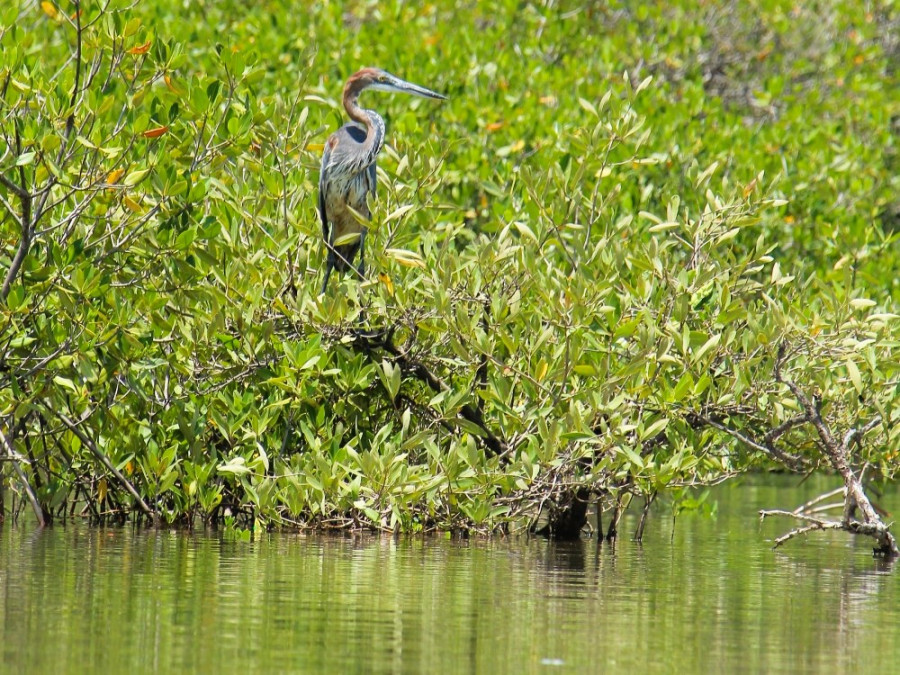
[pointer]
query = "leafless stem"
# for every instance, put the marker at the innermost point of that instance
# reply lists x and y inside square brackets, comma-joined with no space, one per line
[27,230]
[855,434]
[783,428]
[815,500]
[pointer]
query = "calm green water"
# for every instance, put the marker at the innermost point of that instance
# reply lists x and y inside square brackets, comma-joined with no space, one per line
[701,595]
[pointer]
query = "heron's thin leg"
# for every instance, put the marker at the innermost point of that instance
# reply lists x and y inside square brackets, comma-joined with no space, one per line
[329,265]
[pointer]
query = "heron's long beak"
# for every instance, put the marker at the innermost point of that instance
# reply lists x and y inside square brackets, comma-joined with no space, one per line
[404,87]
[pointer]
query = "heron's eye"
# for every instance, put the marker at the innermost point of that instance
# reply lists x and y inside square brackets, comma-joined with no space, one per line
[382,78]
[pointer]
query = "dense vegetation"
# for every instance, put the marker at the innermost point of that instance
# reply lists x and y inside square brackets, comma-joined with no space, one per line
[639,249]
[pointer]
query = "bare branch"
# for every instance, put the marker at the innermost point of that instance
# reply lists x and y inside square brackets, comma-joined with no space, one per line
[791,461]
[783,428]
[15,188]
[27,229]
[109,465]
[764,513]
[838,456]
[821,498]
[857,433]
[803,530]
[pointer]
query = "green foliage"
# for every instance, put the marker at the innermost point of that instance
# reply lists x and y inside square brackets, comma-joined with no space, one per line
[583,264]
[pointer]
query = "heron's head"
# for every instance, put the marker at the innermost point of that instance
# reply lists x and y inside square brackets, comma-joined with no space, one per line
[381,80]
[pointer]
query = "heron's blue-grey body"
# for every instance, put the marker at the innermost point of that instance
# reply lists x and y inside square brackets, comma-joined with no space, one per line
[348,170]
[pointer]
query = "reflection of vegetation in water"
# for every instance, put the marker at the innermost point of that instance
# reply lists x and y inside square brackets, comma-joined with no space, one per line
[694,501]
[702,593]
[638,250]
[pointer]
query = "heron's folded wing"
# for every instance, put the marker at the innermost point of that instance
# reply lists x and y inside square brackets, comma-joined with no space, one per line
[323,181]
[372,178]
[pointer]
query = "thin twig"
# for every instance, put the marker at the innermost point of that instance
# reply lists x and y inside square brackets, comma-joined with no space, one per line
[820,498]
[856,433]
[790,514]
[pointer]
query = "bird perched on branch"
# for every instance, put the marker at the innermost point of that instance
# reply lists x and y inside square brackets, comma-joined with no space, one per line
[348,170]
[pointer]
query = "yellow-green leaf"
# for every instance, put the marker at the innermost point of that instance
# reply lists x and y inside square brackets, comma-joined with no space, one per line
[525,231]
[405,258]
[349,238]
[398,212]
[135,177]
[855,377]
[65,382]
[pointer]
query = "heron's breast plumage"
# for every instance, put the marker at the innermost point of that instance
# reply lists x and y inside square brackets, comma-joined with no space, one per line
[349,177]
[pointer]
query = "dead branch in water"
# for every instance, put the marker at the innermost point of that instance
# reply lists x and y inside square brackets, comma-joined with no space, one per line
[838,454]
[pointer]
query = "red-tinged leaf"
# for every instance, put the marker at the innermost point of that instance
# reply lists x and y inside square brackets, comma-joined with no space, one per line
[141,49]
[171,85]
[155,133]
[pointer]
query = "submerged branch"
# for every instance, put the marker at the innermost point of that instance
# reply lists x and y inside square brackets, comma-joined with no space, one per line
[825,525]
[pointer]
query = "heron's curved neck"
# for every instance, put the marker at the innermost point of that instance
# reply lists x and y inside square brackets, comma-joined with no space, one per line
[369,118]
[356,113]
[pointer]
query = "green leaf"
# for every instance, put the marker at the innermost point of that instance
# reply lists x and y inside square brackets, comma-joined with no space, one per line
[634,458]
[587,105]
[398,212]
[855,376]
[405,258]
[21,341]
[707,346]
[135,177]
[65,382]
[655,428]
[349,238]
[525,231]
[236,466]
[684,386]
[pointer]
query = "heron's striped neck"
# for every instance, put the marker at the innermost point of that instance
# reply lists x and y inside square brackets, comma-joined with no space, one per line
[374,132]
[372,121]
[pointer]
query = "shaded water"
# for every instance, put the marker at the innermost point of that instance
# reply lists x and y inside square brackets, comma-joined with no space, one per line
[701,595]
